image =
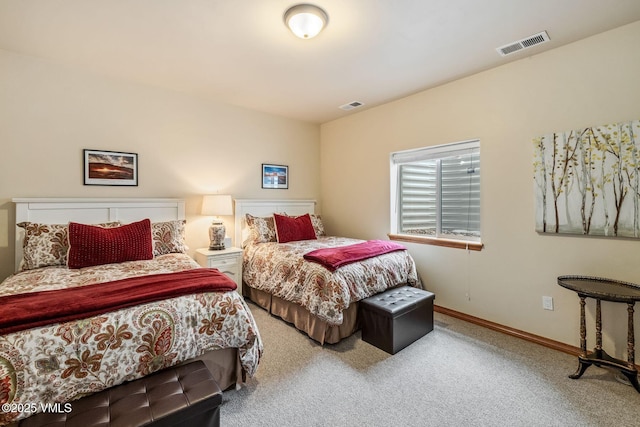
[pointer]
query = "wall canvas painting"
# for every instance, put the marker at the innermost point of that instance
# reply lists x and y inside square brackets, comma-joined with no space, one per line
[110,168]
[587,181]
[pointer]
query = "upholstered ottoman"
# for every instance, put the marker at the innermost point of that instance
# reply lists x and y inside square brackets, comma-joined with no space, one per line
[185,395]
[395,318]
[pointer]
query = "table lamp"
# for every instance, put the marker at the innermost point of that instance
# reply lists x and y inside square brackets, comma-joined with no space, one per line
[217,205]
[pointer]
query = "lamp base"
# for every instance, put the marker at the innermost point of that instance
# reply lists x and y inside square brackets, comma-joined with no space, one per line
[216,236]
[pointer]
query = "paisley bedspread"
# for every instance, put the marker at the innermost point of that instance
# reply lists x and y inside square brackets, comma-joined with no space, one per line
[62,362]
[281,270]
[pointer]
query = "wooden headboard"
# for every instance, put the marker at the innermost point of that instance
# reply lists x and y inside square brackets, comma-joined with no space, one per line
[264,207]
[92,211]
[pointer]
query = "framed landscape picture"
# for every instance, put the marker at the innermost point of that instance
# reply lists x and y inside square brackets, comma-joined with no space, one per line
[275,176]
[110,168]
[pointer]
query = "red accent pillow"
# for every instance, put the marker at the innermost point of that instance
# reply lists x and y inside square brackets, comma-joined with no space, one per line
[90,245]
[293,228]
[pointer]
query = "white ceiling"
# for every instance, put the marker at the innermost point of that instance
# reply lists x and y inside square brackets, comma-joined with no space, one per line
[239,51]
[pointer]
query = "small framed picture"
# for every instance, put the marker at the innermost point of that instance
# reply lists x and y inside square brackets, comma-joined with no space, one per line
[275,176]
[110,168]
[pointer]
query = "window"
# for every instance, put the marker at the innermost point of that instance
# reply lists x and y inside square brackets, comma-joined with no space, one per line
[435,195]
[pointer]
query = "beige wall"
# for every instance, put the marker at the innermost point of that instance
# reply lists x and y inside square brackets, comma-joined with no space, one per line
[591,82]
[186,146]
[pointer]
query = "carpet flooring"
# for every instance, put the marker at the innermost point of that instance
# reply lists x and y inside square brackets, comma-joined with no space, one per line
[458,375]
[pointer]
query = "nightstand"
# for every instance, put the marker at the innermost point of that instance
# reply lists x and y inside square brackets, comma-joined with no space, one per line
[228,261]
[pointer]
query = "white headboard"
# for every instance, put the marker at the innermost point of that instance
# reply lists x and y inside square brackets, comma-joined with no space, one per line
[265,207]
[92,211]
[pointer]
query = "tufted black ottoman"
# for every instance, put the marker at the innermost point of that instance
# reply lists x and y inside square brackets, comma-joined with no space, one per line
[397,317]
[184,395]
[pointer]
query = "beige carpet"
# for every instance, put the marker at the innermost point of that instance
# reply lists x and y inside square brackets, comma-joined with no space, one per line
[458,375]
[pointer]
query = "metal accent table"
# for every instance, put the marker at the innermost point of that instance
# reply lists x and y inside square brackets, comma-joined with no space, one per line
[604,290]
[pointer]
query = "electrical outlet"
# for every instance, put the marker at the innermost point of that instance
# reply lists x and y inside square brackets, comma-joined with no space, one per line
[547,303]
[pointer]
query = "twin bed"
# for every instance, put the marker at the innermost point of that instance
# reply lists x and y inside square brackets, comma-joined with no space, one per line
[316,300]
[61,359]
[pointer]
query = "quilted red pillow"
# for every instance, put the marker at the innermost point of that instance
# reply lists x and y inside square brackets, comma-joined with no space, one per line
[90,245]
[293,228]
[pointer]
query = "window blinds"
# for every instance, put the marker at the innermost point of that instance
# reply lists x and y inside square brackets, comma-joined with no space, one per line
[439,190]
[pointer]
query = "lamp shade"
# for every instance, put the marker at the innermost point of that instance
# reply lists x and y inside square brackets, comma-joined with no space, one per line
[217,205]
[305,20]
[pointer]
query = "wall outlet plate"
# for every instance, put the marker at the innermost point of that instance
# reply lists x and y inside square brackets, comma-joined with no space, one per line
[547,303]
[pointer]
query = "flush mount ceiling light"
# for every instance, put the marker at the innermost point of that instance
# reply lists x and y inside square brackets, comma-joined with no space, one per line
[305,20]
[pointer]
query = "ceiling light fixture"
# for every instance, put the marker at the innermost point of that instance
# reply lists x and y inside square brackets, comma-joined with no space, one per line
[305,20]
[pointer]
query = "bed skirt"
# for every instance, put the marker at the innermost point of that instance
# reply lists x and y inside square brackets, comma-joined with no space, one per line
[224,365]
[303,320]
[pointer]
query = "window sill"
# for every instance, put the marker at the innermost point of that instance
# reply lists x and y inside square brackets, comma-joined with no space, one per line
[449,243]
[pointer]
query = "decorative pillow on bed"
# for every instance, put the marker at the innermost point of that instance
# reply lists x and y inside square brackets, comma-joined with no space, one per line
[90,245]
[294,228]
[47,244]
[168,237]
[318,226]
[261,230]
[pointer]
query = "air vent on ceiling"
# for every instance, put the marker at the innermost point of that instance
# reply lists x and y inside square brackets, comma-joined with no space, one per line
[528,42]
[351,105]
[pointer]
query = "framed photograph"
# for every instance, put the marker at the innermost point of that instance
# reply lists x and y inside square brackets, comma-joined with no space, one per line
[110,168]
[275,176]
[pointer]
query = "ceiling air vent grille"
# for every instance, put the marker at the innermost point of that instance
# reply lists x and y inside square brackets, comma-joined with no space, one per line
[528,42]
[351,105]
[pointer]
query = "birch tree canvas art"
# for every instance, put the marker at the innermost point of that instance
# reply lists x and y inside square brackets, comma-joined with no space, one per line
[587,181]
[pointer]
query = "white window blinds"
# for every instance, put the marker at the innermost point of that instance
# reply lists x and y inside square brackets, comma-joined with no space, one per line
[436,191]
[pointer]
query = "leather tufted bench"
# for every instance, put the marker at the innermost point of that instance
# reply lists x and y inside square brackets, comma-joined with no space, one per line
[184,395]
[397,317]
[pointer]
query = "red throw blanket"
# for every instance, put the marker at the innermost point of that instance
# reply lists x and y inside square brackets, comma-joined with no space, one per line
[25,311]
[333,258]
